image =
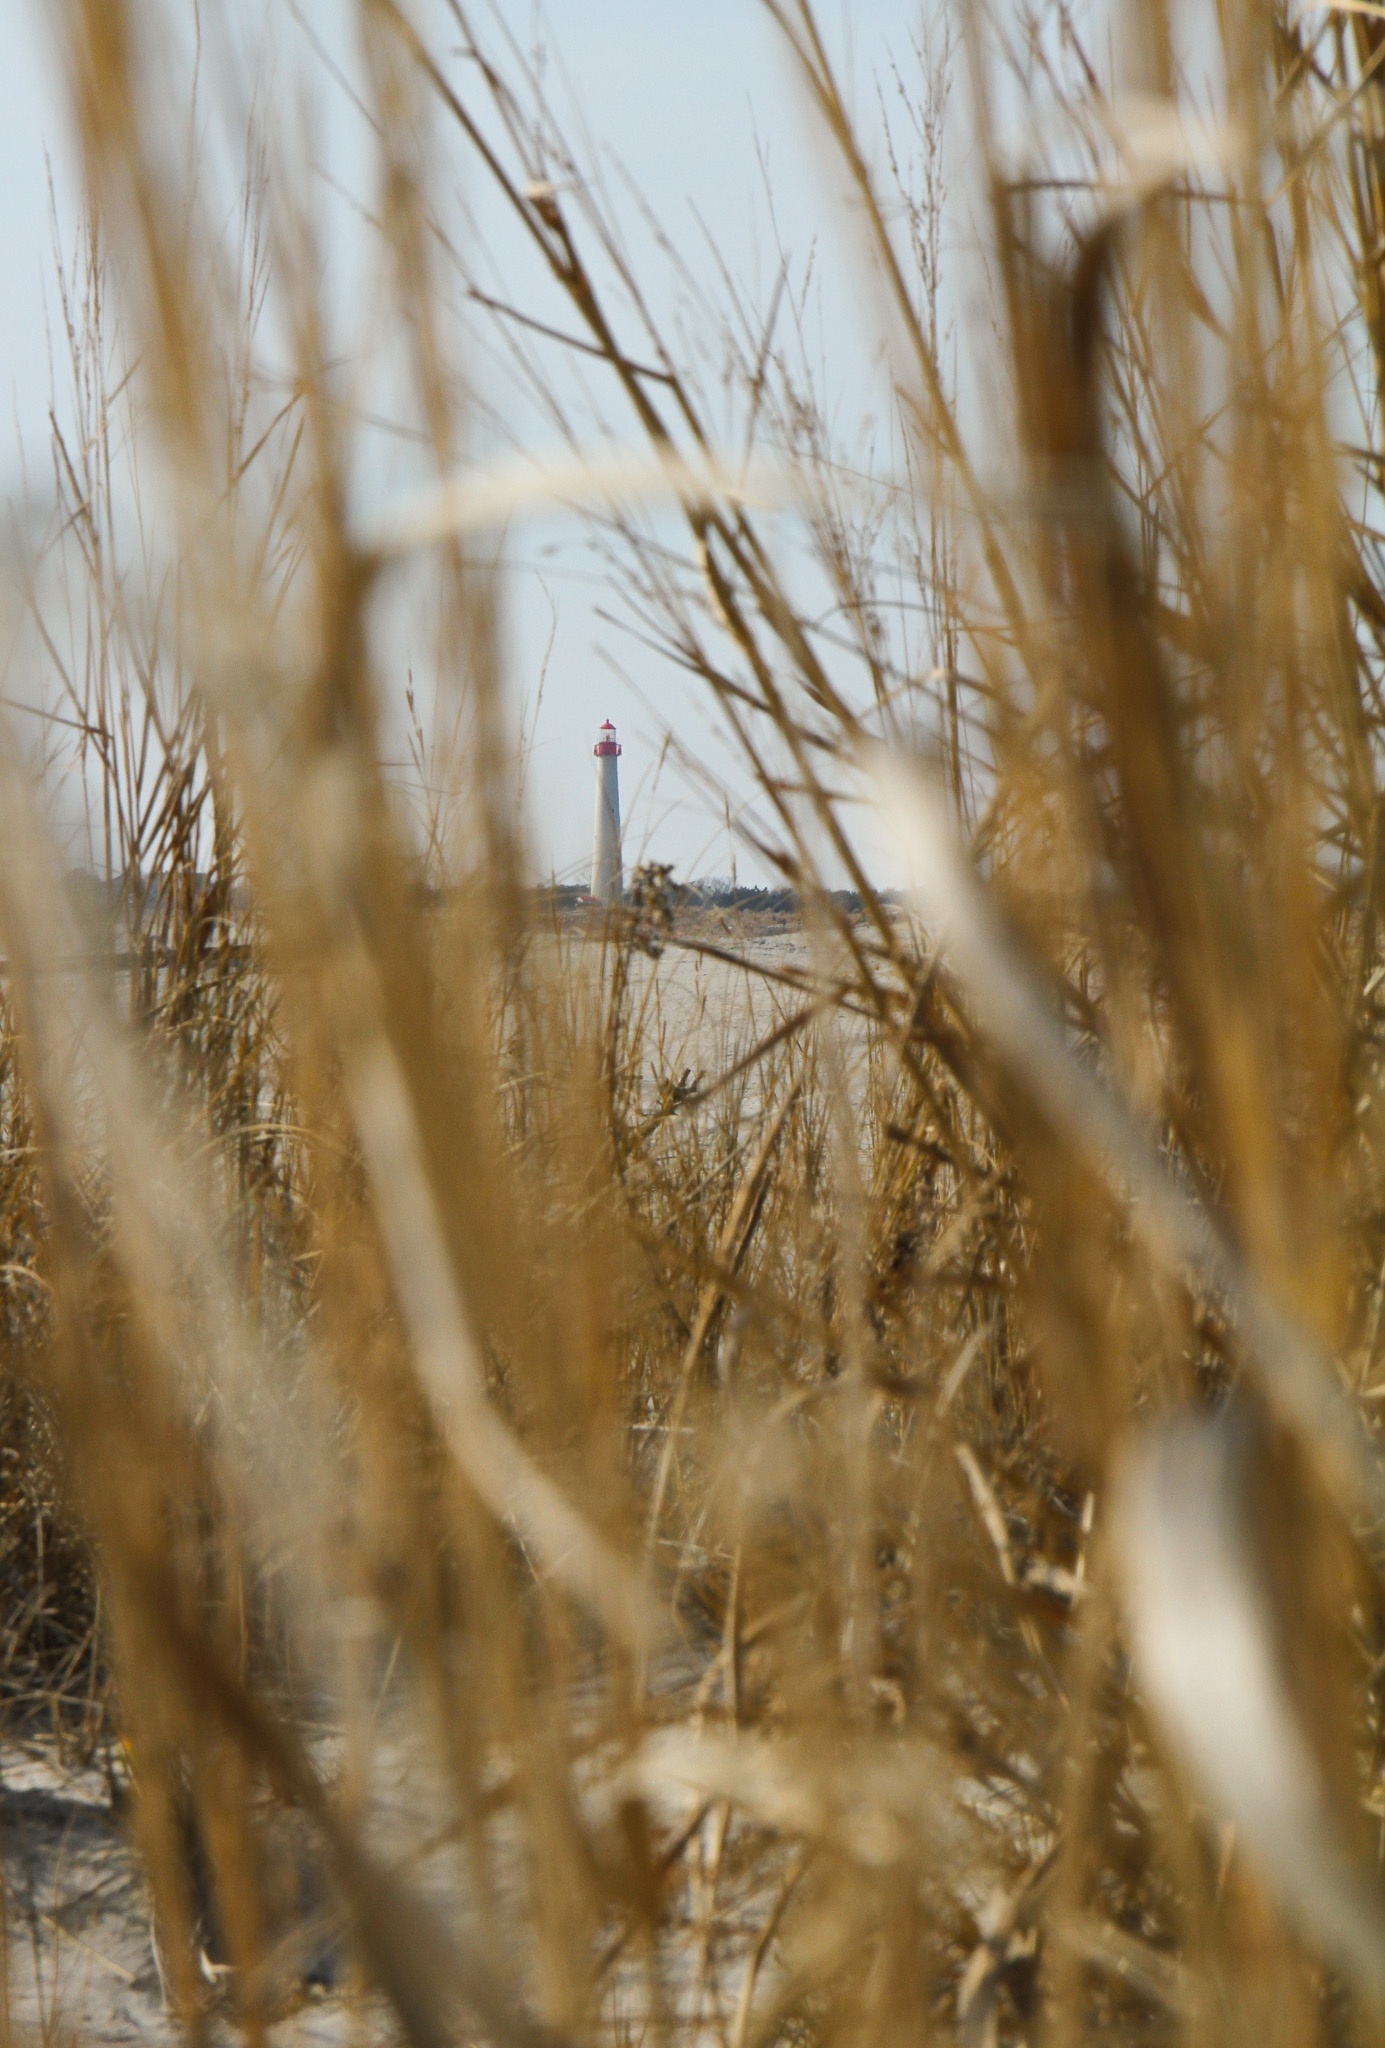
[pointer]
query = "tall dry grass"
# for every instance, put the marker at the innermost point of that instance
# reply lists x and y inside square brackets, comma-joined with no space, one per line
[872,1529]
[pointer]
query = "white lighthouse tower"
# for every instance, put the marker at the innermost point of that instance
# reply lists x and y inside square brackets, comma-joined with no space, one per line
[606,880]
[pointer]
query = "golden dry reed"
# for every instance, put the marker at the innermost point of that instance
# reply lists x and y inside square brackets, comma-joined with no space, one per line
[858,1520]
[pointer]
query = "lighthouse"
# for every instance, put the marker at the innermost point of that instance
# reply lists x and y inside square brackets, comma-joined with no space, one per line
[606,837]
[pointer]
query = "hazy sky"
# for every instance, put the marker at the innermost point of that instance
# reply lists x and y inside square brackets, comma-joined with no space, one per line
[688,96]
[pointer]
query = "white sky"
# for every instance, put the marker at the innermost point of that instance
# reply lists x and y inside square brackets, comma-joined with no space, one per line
[685,95]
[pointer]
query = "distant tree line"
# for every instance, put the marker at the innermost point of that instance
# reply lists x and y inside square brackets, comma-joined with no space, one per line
[716,893]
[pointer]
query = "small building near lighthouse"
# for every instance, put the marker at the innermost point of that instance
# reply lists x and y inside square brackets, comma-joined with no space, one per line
[606,875]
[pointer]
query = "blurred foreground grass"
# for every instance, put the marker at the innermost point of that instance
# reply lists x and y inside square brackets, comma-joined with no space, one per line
[855,1517]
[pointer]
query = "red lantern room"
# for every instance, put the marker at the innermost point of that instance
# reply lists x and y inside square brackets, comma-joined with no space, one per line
[606,744]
